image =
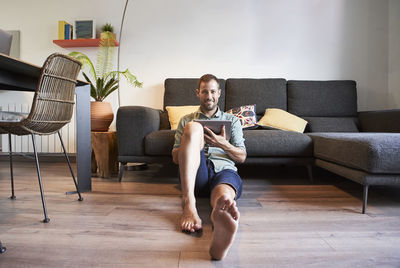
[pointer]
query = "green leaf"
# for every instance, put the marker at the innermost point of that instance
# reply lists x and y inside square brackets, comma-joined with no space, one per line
[110,87]
[105,54]
[99,87]
[86,62]
[129,77]
[93,91]
[111,91]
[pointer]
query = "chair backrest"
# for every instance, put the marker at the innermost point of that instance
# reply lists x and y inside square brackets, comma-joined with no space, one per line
[53,102]
[5,42]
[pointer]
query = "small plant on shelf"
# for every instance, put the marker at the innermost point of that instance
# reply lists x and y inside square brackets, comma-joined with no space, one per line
[107,28]
[106,31]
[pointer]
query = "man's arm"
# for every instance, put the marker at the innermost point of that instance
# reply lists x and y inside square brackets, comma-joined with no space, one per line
[237,154]
[175,155]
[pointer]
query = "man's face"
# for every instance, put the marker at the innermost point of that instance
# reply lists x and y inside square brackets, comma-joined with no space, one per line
[208,94]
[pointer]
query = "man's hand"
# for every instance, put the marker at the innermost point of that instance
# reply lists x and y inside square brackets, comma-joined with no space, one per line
[213,139]
[235,153]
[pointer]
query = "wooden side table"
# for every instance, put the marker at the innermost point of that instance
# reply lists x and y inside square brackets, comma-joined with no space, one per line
[104,154]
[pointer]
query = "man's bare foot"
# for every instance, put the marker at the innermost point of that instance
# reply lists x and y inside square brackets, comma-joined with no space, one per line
[190,220]
[225,217]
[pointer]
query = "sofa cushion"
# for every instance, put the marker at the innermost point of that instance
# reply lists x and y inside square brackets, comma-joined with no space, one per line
[370,152]
[270,143]
[265,93]
[331,124]
[164,120]
[159,142]
[380,121]
[322,98]
[175,113]
[182,91]
[280,119]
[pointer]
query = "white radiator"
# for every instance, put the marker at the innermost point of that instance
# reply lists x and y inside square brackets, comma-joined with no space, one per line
[44,144]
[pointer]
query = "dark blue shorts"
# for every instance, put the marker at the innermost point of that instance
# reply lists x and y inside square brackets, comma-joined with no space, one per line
[207,179]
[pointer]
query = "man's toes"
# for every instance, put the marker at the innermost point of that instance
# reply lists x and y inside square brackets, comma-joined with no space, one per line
[235,215]
[233,209]
[197,227]
[223,202]
[185,226]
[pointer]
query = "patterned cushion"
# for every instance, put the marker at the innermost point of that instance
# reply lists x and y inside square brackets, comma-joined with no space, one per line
[246,114]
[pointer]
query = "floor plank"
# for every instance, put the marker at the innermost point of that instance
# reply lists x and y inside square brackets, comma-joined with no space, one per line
[285,221]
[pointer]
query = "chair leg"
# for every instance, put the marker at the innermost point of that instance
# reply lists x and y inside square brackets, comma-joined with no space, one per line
[11,167]
[70,168]
[121,170]
[2,249]
[365,199]
[310,173]
[46,219]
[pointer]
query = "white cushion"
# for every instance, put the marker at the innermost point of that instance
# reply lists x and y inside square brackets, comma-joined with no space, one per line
[12,117]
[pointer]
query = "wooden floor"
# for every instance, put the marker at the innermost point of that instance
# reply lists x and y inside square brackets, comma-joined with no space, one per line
[285,222]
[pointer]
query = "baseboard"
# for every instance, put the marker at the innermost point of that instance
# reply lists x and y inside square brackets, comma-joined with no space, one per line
[43,157]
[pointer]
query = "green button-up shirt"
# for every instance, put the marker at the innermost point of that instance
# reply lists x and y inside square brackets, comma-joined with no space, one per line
[218,157]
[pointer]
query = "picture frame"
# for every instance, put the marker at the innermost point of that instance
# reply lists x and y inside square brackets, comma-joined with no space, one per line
[84,29]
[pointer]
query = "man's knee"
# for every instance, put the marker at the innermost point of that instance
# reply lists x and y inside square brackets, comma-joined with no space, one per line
[193,129]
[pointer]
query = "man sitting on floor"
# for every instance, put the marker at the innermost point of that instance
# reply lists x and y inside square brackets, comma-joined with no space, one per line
[207,167]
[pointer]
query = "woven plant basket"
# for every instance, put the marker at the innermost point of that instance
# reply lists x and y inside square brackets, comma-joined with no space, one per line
[101,115]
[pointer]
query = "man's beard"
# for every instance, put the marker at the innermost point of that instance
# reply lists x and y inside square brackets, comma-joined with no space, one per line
[206,107]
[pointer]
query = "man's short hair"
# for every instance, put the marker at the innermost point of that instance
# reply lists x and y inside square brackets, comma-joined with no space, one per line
[207,78]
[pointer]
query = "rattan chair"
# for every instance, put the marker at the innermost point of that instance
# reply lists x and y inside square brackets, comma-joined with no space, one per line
[51,109]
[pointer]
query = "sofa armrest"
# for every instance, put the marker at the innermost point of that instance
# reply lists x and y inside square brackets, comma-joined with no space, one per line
[133,124]
[380,121]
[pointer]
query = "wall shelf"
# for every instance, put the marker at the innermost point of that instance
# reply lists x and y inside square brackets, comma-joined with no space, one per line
[79,43]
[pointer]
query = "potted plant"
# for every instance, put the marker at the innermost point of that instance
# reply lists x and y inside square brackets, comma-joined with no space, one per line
[103,81]
[105,30]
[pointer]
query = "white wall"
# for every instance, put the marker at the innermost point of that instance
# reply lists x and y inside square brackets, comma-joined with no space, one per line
[394,54]
[293,39]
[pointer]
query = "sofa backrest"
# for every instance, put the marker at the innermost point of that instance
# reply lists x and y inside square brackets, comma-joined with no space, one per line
[328,106]
[265,93]
[182,91]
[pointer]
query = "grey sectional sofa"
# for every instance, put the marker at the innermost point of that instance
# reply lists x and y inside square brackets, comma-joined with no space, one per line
[361,146]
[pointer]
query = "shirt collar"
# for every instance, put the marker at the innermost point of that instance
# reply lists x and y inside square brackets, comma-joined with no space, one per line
[217,114]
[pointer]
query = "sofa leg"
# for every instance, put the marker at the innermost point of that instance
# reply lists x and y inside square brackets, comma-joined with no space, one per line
[365,198]
[121,170]
[310,174]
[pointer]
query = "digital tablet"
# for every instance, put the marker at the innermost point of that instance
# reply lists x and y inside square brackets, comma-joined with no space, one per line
[216,126]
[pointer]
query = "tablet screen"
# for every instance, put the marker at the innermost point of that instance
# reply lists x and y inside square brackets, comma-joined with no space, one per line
[216,126]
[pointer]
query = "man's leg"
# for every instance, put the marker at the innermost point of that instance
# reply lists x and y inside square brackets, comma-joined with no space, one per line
[225,218]
[189,160]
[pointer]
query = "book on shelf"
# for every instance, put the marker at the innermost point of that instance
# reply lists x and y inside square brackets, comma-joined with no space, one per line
[61,29]
[64,30]
[68,31]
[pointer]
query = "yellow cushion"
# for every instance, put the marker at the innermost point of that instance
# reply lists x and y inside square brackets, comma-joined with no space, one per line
[175,113]
[280,119]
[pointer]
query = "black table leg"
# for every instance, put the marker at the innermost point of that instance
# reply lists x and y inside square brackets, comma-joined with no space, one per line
[83,143]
